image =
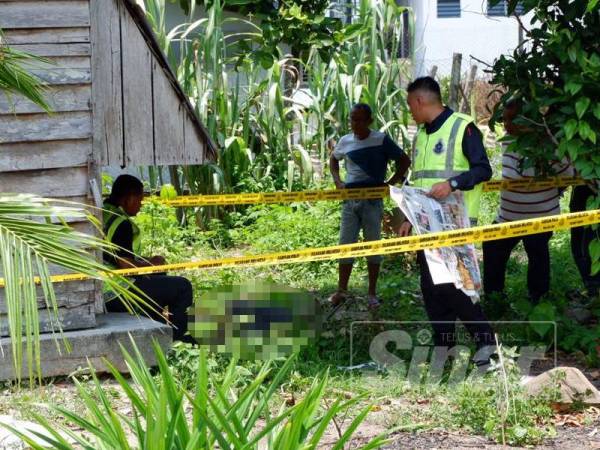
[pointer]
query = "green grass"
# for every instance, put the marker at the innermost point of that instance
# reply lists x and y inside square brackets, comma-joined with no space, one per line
[472,407]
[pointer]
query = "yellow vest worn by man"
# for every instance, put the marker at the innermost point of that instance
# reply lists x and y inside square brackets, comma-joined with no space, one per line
[439,156]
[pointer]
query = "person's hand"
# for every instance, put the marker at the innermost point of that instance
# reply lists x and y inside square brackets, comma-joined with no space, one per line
[440,190]
[157,261]
[339,184]
[405,229]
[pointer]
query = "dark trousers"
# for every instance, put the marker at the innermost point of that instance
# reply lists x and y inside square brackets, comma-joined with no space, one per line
[497,253]
[166,291]
[581,238]
[443,302]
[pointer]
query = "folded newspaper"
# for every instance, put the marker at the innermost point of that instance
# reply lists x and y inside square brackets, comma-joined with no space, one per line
[459,264]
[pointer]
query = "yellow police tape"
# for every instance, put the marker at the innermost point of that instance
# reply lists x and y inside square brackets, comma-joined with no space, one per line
[349,194]
[382,247]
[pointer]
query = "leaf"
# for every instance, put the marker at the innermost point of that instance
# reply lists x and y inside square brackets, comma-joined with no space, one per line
[570,128]
[591,5]
[573,87]
[584,130]
[581,106]
[572,51]
[167,192]
[543,312]
[597,111]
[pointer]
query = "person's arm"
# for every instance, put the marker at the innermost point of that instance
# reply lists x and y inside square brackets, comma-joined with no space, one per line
[402,165]
[124,257]
[479,166]
[334,168]
[400,158]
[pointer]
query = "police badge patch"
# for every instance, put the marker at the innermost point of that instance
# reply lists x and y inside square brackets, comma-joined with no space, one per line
[439,148]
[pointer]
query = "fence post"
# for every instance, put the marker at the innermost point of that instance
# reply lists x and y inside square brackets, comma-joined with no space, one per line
[465,104]
[433,71]
[455,81]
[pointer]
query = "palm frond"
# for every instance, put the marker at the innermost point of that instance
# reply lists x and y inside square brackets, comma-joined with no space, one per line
[34,237]
[15,77]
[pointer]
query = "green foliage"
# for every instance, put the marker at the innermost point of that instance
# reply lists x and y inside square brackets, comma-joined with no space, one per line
[556,73]
[302,24]
[298,226]
[16,78]
[268,123]
[227,414]
[498,407]
[33,236]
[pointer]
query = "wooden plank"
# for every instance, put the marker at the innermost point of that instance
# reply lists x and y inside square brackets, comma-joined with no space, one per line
[41,127]
[67,62]
[62,98]
[47,183]
[137,95]
[195,146]
[168,120]
[70,294]
[44,155]
[57,76]
[75,318]
[44,14]
[47,36]
[107,99]
[46,50]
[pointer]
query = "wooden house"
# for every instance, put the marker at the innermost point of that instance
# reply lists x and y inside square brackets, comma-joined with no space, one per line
[116,102]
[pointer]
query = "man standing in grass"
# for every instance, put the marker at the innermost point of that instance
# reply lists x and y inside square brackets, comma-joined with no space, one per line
[449,155]
[366,154]
[521,204]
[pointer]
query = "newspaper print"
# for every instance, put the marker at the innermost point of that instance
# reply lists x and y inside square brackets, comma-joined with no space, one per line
[458,265]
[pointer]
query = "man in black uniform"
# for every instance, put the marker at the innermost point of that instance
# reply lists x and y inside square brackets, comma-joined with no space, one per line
[173,292]
[442,133]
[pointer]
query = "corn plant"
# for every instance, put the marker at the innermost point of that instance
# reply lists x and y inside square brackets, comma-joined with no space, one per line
[221,414]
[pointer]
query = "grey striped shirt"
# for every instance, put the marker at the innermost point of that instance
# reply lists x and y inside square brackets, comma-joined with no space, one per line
[519,205]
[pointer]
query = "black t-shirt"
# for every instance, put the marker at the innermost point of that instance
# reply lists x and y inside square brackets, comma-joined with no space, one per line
[123,237]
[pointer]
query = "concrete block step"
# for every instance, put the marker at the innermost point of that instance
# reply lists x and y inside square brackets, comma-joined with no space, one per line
[93,344]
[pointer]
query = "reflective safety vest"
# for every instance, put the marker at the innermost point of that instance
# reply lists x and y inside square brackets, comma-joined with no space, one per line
[114,216]
[439,156]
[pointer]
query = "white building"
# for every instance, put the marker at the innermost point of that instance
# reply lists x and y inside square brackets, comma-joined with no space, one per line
[470,27]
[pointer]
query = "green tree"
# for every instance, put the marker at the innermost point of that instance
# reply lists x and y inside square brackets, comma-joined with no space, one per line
[556,74]
[301,24]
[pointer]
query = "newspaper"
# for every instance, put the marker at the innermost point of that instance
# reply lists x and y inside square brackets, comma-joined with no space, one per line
[457,265]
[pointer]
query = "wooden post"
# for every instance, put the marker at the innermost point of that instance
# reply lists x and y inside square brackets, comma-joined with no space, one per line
[433,71]
[455,81]
[465,103]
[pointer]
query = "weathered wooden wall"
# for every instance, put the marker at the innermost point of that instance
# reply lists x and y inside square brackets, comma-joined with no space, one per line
[46,154]
[140,114]
[115,102]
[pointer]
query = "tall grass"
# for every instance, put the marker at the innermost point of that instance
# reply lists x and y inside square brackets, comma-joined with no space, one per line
[225,413]
[267,135]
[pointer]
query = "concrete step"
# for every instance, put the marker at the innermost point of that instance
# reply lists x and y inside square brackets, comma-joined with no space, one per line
[93,344]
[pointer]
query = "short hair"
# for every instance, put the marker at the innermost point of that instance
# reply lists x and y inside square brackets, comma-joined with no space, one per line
[427,84]
[363,107]
[124,186]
